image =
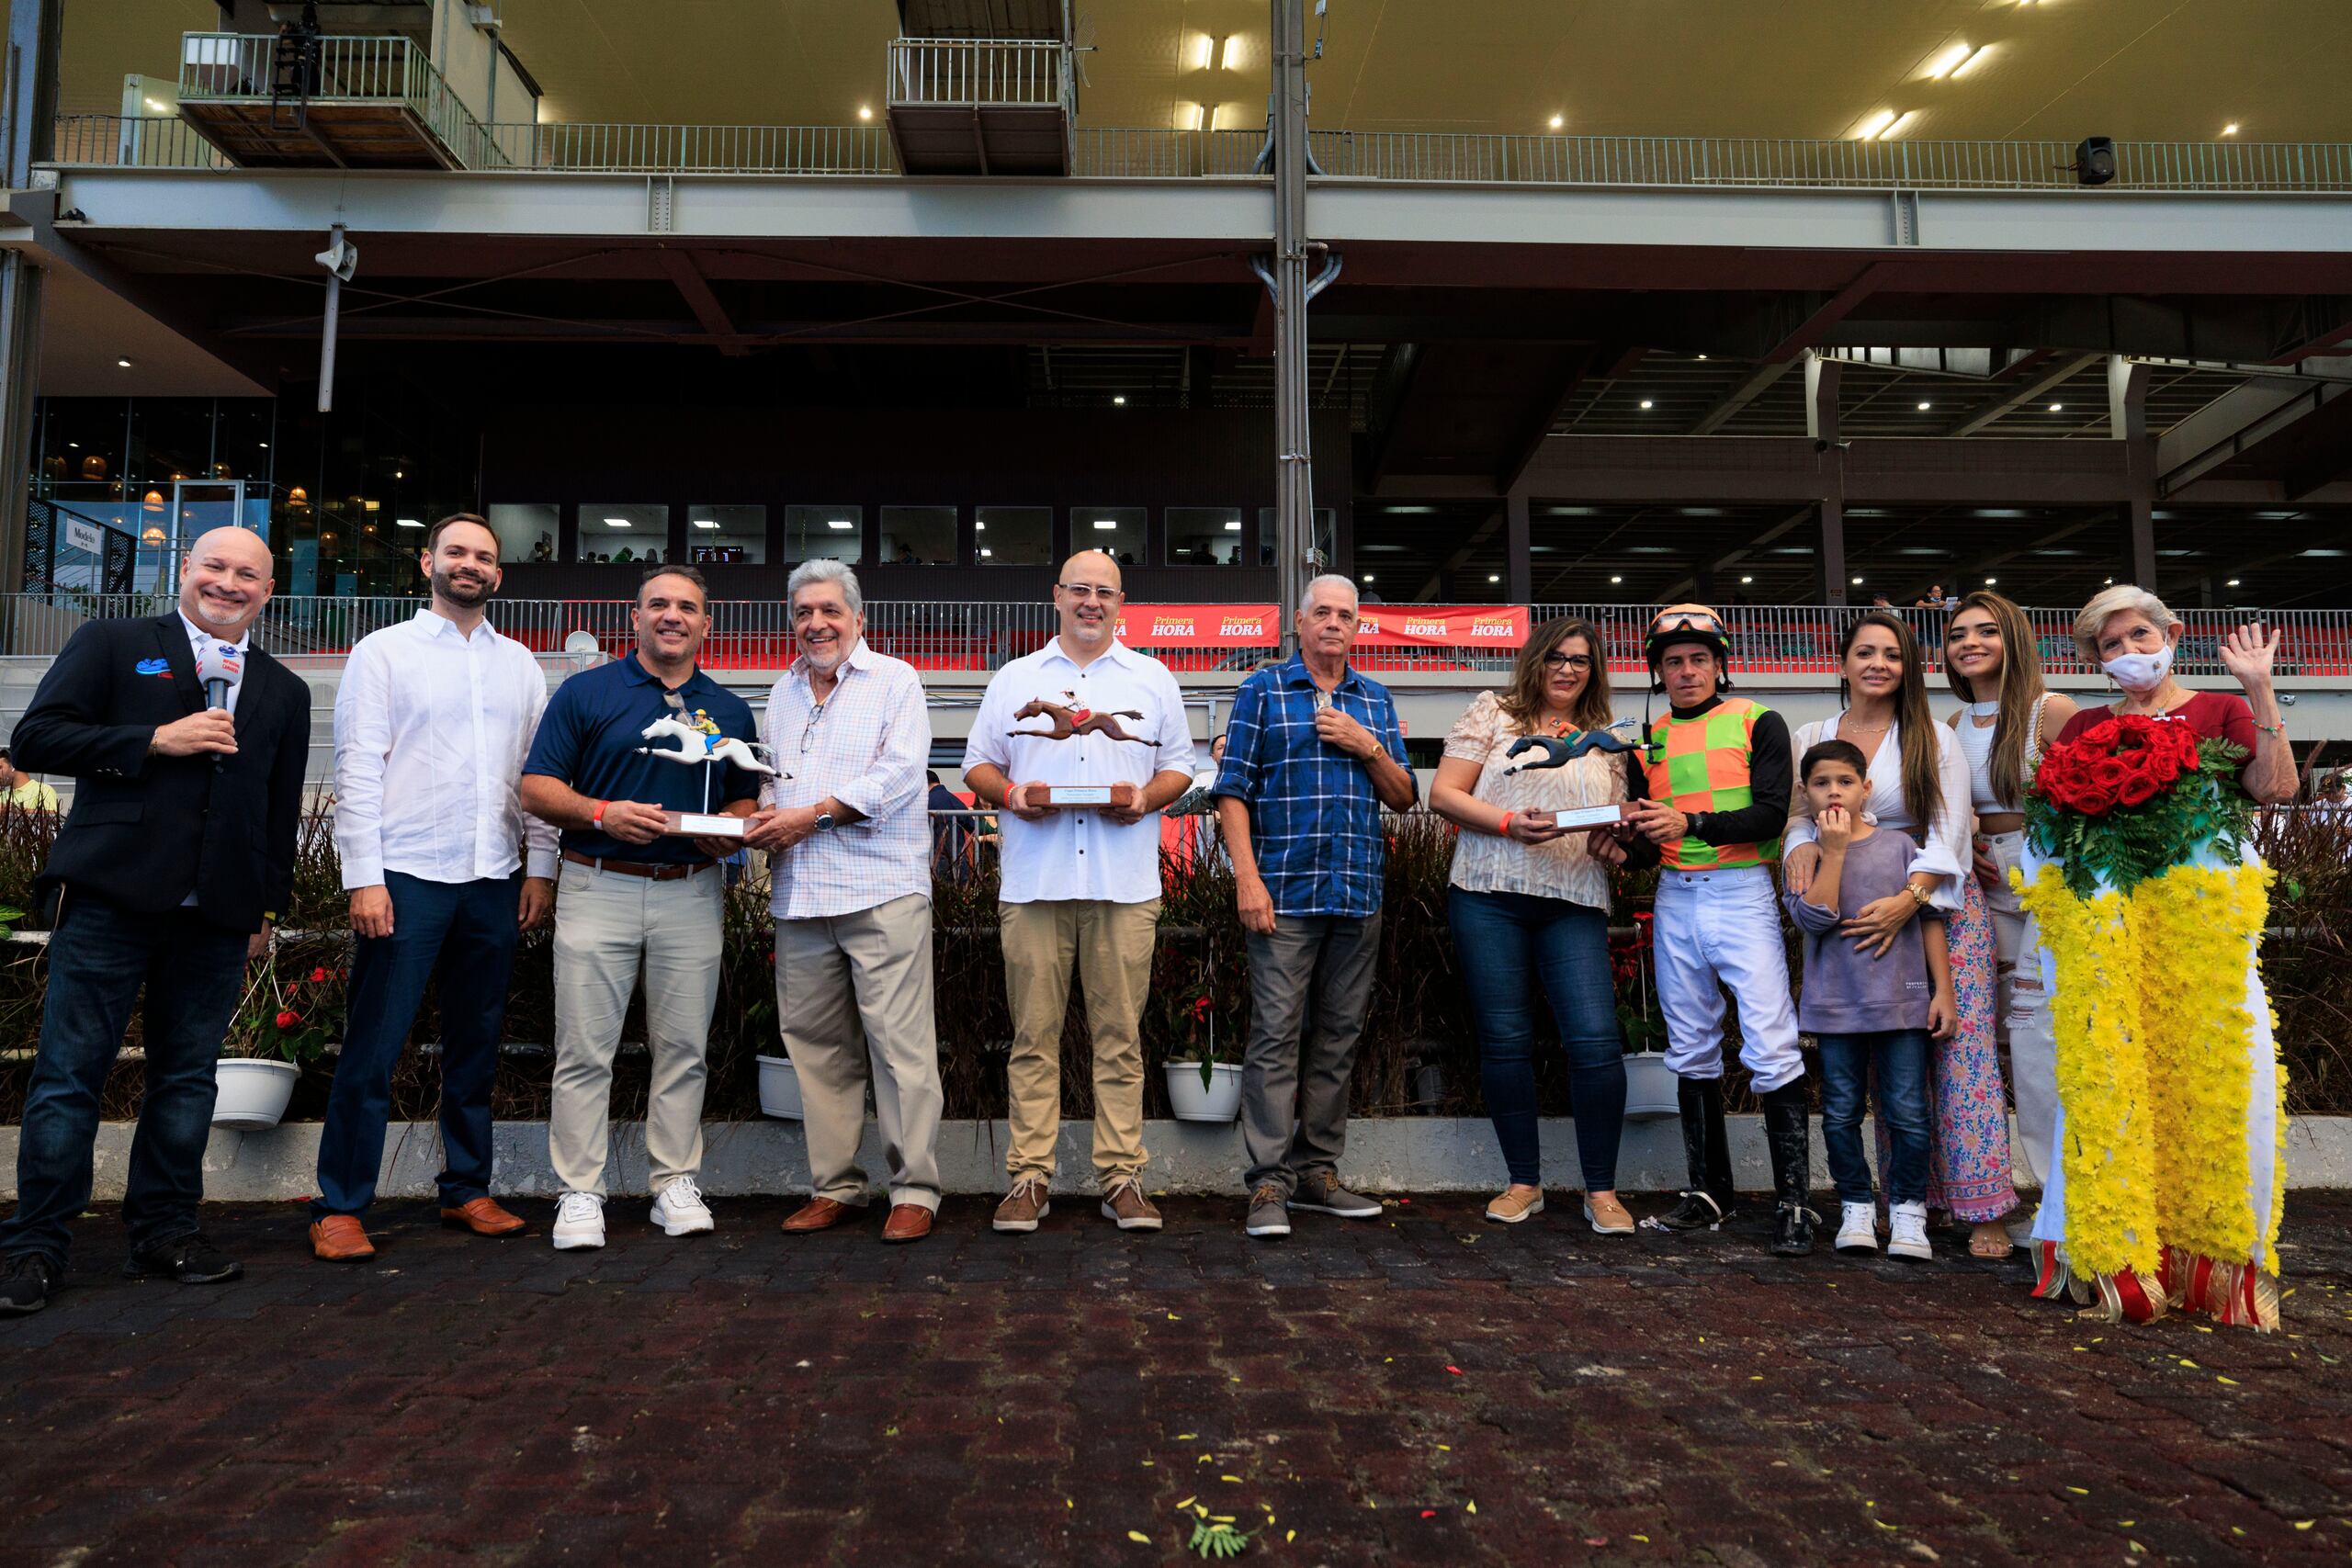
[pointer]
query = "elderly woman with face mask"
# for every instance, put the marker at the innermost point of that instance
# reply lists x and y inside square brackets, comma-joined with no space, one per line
[2169,1100]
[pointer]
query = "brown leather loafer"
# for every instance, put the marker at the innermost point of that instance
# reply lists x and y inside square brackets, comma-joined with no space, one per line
[908,1222]
[340,1238]
[816,1214]
[483,1217]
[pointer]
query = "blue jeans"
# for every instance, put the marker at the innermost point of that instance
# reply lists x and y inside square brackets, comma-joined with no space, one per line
[99,958]
[1900,1056]
[1511,942]
[466,931]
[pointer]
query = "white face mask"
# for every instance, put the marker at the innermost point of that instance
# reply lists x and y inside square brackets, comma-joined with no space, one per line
[2140,672]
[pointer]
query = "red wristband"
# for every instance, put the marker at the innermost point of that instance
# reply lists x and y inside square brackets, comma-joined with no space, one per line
[596,818]
[1503,831]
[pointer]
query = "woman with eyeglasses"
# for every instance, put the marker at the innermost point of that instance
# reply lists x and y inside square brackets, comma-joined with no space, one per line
[1918,785]
[1529,909]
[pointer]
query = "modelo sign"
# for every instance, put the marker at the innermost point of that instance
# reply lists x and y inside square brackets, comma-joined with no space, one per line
[1198,625]
[1432,625]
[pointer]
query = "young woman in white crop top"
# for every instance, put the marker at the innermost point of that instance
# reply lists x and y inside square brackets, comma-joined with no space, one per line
[1995,664]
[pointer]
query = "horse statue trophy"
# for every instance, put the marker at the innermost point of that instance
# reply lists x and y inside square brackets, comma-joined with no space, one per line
[1069,717]
[1560,749]
[699,747]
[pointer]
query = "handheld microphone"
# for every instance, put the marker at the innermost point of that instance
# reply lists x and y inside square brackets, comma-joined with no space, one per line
[221,668]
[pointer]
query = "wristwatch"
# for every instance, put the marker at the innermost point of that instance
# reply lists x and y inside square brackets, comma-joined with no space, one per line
[824,821]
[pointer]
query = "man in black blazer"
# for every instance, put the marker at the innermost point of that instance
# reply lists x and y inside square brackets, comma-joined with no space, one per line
[174,863]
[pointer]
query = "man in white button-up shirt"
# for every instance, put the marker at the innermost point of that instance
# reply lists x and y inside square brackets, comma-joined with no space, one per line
[1080,882]
[432,722]
[848,837]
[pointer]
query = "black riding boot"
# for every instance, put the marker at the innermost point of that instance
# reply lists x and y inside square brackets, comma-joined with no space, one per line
[1784,1133]
[1710,1199]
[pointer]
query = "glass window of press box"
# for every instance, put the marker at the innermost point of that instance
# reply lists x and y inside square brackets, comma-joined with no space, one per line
[1327,535]
[824,533]
[626,533]
[919,535]
[527,531]
[1117,531]
[726,535]
[1205,535]
[1014,535]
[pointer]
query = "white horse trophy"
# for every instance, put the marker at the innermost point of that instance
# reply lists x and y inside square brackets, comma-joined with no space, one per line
[699,747]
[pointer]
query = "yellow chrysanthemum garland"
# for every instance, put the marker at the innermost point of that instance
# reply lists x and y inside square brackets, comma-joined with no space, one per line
[2155,1151]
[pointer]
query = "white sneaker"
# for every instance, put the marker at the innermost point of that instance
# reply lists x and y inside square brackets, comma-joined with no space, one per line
[1858,1227]
[680,1210]
[1907,1232]
[579,1221]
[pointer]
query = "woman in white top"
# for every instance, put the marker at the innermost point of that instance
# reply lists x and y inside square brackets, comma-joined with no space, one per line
[1530,908]
[1993,661]
[1919,779]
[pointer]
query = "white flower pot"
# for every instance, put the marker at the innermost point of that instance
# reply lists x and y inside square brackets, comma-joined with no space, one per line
[1650,1090]
[252,1094]
[779,1088]
[1220,1102]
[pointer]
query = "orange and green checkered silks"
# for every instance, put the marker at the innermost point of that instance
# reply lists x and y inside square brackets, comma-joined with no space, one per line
[1701,764]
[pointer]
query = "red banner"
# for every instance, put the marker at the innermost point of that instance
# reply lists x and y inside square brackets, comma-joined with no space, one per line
[1432,625]
[1204,626]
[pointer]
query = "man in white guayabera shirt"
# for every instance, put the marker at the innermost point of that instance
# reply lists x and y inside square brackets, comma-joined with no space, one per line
[432,721]
[1080,882]
[848,837]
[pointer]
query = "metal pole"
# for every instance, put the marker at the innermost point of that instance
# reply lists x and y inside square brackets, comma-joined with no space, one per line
[1294,449]
[326,343]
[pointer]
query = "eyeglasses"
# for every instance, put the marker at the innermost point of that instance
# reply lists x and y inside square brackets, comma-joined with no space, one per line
[1687,621]
[809,732]
[1556,660]
[1082,592]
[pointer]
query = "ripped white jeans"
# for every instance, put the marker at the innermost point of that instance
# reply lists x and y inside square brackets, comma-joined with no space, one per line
[2022,1018]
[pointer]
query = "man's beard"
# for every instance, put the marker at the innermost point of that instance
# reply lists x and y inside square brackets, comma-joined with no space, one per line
[447,587]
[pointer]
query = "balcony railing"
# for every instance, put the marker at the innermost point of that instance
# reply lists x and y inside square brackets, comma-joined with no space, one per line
[1145,153]
[979,73]
[244,67]
[748,634]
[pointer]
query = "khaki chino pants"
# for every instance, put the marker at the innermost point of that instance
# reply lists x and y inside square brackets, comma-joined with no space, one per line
[608,925]
[833,974]
[1111,944]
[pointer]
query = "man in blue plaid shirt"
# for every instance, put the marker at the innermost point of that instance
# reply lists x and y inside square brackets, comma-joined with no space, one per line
[1313,752]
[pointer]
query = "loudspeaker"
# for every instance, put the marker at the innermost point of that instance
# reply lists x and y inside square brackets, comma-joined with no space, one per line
[2095,161]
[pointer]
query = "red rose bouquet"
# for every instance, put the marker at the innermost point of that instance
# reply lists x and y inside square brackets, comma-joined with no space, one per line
[2133,796]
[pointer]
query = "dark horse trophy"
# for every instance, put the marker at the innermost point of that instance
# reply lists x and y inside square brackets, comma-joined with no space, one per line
[1561,750]
[1068,718]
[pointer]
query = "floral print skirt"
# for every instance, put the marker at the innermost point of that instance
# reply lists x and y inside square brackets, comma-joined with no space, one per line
[1968,1166]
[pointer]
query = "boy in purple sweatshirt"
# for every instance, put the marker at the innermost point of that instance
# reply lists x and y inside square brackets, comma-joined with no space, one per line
[1869,1012]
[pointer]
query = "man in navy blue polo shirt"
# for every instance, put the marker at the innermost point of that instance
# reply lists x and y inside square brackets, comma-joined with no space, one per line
[630,894]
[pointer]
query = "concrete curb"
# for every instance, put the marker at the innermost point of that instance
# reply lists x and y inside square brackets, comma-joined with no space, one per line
[1415,1154]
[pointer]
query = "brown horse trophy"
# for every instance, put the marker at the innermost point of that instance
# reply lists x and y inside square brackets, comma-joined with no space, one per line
[1067,717]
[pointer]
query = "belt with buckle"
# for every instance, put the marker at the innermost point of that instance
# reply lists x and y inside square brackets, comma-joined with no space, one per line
[665,871]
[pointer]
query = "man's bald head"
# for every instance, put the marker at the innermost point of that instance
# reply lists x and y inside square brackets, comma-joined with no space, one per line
[225,581]
[1086,596]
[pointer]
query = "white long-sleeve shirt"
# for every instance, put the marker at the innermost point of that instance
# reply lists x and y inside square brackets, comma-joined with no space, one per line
[1946,854]
[431,727]
[865,745]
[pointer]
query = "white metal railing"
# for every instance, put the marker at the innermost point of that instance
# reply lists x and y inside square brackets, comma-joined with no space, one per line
[1147,153]
[984,635]
[697,149]
[931,72]
[345,67]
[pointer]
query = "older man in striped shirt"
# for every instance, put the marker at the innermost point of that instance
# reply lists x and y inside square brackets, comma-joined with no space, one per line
[849,844]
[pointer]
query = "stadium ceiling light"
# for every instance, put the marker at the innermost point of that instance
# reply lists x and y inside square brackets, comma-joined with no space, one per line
[1990,581]
[1616,580]
[1925,407]
[1869,129]
[408,523]
[124,363]
[1368,577]
[865,111]
[1120,401]
[1558,121]
[2057,408]
[1233,524]
[1204,52]
[1902,123]
[1494,577]
[2231,583]
[2231,129]
[705,522]
[986,552]
[1965,66]
[1106,522]
[616,522]
[1858,582]
[1647,403]
[840,524]
[1748,579]
[1952,59]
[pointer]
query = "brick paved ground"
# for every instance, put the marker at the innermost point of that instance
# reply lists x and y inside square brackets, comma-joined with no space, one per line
[982,1398]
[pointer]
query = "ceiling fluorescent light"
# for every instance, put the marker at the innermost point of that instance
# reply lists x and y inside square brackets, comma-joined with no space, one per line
[408,521]
[1870,127]
[1952,59]
[1228,54]
[840,524]
[1233,526]
[1106,522]
[986,552]
[705,522]
[1902,123]
[616,522]
[1976,59]
[1203,52]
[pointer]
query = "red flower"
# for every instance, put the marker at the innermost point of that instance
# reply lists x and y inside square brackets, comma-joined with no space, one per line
[2138,790]
[1200,1006]
[2093,800]
[2109,773]
[319,977]
[2103,734]
[2162,766]
[288,1019]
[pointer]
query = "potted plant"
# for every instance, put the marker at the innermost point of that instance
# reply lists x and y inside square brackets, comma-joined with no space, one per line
[280,1026]
[1202,1089]
[1650,1090]
[779,1088]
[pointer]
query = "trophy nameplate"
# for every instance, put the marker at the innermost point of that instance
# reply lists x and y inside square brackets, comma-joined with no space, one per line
[700,824]
[1072,795]
[1580,817]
